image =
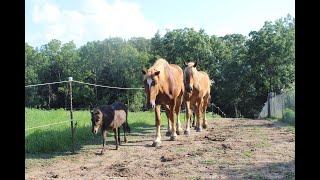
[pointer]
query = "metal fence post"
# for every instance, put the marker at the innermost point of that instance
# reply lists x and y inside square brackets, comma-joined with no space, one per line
[71,114]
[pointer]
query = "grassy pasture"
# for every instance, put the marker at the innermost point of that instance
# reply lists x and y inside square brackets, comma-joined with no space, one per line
[57,138]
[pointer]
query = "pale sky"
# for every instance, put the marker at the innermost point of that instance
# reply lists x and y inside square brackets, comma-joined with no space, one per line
[89,20]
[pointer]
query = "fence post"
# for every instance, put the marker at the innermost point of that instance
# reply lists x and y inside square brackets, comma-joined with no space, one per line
[71,115]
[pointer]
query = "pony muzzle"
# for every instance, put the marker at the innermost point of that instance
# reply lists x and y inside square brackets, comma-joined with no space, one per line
[95,130]
[153,104]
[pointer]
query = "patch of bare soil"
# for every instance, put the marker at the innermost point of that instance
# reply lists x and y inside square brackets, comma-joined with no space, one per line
[227,149]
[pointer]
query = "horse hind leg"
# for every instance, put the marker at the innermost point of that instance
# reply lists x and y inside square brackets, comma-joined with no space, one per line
[205,105]
[167,111]
[173,136]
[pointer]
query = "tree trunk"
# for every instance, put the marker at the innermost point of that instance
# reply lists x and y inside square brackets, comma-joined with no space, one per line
[95,87]
[269,97]
[49,97]
[236,111]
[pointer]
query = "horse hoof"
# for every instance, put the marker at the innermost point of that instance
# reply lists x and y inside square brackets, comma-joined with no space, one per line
[204,126]
[168,133]
[187,133]
[179,132]
[173,138]
[155,144]
[198,129]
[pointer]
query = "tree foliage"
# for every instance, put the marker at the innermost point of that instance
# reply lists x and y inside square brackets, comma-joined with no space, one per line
[244,69]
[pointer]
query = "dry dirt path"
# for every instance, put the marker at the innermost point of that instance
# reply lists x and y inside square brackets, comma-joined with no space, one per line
[228,149]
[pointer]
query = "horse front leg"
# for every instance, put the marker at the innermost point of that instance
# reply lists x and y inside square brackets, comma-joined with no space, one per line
[199,115]
[177,112]
[188,116]
[157,141]
[173,136]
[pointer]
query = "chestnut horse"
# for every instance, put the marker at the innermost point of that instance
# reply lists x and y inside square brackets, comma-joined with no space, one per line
[197,95]
[164,86]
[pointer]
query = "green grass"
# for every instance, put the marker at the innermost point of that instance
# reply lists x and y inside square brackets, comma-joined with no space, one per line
[209,162]
[263,143]
[57,138]
[289,116]
[247,153]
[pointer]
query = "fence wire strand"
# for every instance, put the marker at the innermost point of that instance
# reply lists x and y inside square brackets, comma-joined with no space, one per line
[59,82]
[96,85]
[48,125]
[111,87]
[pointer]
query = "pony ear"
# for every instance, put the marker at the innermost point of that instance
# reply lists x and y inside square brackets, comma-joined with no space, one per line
[185,64]
[157,73]
[144,71]
[195,64]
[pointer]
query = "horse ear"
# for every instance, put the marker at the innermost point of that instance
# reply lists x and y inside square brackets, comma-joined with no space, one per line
[195,64]
[144,71]
[157,73]
[185,64]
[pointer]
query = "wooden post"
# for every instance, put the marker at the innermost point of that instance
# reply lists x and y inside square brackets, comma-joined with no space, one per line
[71,115]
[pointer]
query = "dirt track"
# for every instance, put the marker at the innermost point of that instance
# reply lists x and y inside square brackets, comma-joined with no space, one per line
[228,149]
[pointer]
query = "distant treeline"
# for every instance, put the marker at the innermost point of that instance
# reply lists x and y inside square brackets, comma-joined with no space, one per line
[244,69]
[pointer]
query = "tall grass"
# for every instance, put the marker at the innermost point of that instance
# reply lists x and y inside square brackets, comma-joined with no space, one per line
[289,116]
[57,138]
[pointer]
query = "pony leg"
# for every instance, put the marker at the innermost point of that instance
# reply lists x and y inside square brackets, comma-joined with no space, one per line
[115,137]
[188,115]
[104,140]
[124,134]
[119,140]
[157,141]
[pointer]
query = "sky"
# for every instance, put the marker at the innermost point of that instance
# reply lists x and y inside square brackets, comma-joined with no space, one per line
[82,21]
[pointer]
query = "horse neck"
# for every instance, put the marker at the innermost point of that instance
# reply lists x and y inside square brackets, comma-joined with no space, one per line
[196,76]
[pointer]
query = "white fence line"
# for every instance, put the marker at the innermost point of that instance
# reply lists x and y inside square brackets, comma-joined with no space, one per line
[47,125]
[59,82]
[96,85]
[111,87]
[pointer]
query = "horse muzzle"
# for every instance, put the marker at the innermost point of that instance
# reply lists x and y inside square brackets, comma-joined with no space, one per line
[189,89]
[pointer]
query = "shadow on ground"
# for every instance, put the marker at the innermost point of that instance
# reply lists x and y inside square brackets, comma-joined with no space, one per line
[280,170]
